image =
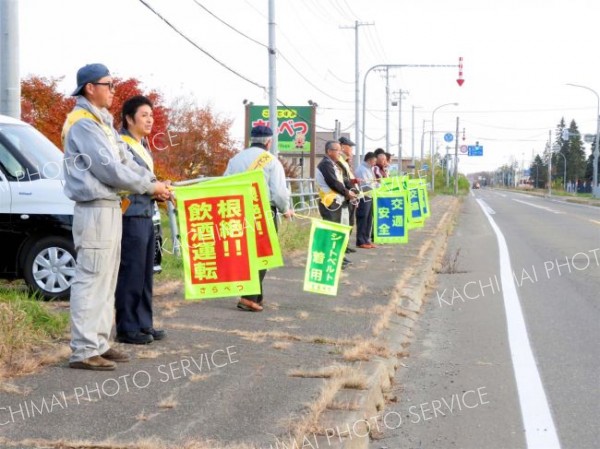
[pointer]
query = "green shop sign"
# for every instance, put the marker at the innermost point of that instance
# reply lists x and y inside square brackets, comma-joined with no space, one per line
[294,126]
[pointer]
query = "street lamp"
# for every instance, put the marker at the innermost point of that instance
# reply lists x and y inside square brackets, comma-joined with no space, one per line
[432,141]
[596,152]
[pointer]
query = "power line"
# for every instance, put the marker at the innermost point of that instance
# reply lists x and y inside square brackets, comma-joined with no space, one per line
[338,78]
[228,25]
[350,9]
[222,64]
[255,9]
[309,82]
[265,46]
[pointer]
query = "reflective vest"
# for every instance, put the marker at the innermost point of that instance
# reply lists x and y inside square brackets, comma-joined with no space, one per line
[78,114]
[261,161]
[139,149]
[326,194]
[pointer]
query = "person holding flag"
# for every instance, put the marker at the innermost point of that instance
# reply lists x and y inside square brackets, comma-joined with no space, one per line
[332,190]
[97,170]
[257,157]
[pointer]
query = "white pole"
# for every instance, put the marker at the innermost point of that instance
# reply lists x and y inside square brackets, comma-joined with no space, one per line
[10,83]
[273,78]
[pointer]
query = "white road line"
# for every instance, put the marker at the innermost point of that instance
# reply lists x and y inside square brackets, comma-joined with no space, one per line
[485,205]
[540,432]
[539,207]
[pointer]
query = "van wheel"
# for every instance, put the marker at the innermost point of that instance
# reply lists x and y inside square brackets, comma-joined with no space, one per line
[50,267]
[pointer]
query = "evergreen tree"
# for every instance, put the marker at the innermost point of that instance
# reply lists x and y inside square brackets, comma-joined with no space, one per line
[538,172]
[576,154]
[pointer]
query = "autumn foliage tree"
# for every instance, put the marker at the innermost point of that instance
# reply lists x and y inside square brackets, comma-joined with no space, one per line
[187,141]
[44,107]
[199,142]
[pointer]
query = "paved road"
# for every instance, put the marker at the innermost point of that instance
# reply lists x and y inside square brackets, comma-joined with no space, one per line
[480,377]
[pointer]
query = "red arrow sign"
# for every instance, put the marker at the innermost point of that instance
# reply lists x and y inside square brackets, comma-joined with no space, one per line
[460,81]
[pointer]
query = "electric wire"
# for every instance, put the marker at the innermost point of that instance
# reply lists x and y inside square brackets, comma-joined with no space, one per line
[283,56]
[228,25]
[222,64]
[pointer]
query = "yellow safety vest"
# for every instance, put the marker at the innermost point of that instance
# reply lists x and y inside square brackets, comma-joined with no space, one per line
[327,198]
[79,114]
[261,161]
[139,150]
[342,160]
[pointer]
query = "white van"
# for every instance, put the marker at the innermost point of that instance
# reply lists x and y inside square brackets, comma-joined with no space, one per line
[36,217]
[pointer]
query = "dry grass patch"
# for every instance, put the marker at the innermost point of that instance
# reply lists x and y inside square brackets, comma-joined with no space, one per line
[7,387]
[146,443]
[338,377]
[364,351]
[142,416]
[166,288]
[352,311]
[280,319]
[168,403]
[272,306]
[198,377]
[261,336]
[359,291]
[148,354]
[303,315]
[281,345]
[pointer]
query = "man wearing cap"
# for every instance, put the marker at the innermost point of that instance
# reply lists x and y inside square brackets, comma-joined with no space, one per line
[98,169]
[332,190]
[350,181]
[257,157]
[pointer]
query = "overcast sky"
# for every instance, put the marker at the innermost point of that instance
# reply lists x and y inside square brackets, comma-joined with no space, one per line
[518,56]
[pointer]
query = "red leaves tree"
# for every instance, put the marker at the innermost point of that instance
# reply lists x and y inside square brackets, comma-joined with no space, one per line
[187,141]
[199,142]
[44,107]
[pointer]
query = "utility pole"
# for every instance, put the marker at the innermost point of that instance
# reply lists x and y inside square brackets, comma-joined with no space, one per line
[400,93]
[550,163]
[423,140]
[456,160]
[387,66]
[10,83]
[356,26]
[336,130]
[412,136]
[273,79]
[387,109]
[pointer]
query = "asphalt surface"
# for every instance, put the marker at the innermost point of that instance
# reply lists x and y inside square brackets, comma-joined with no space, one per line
[222,374]
[463,346]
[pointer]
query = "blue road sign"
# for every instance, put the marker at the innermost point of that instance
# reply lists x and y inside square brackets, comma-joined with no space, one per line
[475,150]
[448,137]
[424,167]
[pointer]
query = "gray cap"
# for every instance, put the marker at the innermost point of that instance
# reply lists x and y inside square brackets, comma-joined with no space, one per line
[346,141]
[88,74]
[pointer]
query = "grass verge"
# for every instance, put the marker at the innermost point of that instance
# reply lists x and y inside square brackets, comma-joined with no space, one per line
[26,326]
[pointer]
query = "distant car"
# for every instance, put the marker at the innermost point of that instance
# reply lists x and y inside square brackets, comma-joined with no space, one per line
[35,215]
[476,185]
